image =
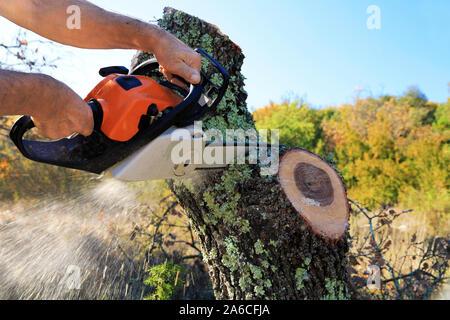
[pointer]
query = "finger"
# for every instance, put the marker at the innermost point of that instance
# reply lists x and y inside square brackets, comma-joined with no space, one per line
[174,80]
[85,131]
[41,130]
[84,124]
[50,134]
[60,131]
[186,72]
[194,61]
[161,69]
[179,83]
[166,74]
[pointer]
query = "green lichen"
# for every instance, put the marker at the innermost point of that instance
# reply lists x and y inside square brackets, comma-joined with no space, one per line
[245,280]
[188,184]
[267,283]
[253,276]
[227,211]
[259,291]
[206,41]
[336,290]
[202,229]
[216,79]
[240,121]
[307,261]
[235,175]
[256,271]
[230,259]
[216,122]
[210,256]
[274,243]
[300,276]
[259,247]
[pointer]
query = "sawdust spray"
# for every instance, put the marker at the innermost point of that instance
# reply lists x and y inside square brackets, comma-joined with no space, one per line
[71,249]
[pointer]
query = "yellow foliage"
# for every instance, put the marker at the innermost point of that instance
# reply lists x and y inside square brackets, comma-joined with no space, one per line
[390,150]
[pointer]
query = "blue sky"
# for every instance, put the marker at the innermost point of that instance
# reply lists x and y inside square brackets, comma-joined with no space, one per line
[319,50]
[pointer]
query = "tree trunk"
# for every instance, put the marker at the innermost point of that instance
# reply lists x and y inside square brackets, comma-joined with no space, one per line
[258,237]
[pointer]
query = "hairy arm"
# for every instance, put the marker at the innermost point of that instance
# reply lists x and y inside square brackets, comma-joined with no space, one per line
[101,29]
[56,110]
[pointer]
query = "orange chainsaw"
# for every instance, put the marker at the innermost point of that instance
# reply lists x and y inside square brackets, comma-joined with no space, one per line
[134,118]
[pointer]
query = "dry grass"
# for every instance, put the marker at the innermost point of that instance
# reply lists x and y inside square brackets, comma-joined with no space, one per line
[97,232]
[115,231]
[407,244]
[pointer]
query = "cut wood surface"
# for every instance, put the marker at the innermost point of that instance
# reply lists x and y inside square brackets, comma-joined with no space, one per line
[316,191]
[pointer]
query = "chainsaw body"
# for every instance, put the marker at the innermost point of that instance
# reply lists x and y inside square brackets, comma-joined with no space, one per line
[130,111]
[130,103]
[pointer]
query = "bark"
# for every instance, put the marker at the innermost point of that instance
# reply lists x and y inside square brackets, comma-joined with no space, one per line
[255,243]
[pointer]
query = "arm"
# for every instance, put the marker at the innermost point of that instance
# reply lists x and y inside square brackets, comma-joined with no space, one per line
[101,29]
[56,110]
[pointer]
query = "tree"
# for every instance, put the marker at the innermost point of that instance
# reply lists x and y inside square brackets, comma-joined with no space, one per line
[24,55]
[259,235]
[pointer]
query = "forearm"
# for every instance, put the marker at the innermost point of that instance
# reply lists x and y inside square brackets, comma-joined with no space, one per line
[21,93]
[56,109]
[99,29]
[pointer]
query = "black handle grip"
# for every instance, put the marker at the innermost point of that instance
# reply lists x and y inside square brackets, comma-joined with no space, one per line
[18,130]
[104,72]
[207,87]
[59,152]
[153,65]
[225,80]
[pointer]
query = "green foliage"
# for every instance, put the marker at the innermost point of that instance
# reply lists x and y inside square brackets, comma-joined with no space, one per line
[165,280]
[390,150]
[442,116]
[300,124]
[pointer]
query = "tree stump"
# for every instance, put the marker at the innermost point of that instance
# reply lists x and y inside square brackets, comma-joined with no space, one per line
[276,237]
[316,191]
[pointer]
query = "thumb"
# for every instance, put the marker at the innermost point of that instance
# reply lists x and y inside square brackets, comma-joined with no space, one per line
[195,77]
[85,122]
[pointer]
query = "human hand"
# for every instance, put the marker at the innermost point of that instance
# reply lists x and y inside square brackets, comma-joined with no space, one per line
[177,59]
[63,114]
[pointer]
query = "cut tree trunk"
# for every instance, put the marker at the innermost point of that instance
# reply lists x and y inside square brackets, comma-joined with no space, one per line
[277,237]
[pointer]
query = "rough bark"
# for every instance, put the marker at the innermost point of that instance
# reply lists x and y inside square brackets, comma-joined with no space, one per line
[254,242]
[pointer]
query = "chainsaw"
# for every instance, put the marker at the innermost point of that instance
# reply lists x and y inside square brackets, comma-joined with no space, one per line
[135,117]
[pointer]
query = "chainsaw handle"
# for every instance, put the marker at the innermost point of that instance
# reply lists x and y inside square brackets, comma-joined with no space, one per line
[18,130]
[45,151]
[152,65]
[52,152]
[206,85]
